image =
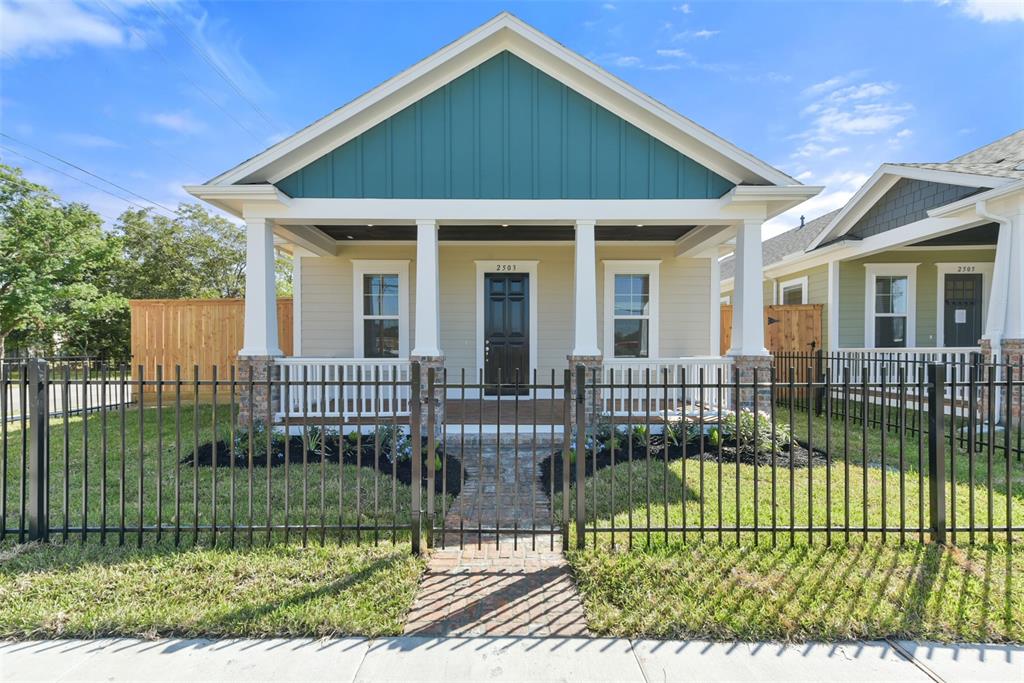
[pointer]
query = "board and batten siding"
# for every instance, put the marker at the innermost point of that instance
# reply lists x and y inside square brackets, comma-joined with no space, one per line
[505,130]
[326,299]
[852,282]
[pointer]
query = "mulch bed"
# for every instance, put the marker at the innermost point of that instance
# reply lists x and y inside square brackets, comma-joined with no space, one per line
[402,468]
[798,457]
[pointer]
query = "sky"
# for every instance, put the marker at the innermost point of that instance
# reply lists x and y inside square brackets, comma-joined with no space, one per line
[119,103]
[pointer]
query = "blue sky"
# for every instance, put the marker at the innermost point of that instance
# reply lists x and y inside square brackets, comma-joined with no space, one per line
[154,94]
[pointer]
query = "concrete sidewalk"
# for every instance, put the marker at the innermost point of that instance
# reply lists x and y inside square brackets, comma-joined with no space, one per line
[453,660]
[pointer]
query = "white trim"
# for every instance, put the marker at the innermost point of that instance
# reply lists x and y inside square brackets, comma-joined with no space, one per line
[532,269]
[297,304]
[715,308]
[874,270]
[981,268]
[802,282]
[651,268]
[361,267]
[725,300]
[883,180]
[832,301]
[504,32]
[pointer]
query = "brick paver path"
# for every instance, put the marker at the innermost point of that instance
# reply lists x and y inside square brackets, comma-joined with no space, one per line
[518,587]
[494,591]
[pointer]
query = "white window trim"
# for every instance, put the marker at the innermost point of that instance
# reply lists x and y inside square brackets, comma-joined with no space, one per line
[873,270]
[944,269]
[802,282]
[725,300]
[649,268]
[531,268]
[361,267]
[297,304]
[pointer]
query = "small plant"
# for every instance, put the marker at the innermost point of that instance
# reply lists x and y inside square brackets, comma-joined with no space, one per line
[742,431]
[641,436]
[715,437]
[314,439]
[258,438]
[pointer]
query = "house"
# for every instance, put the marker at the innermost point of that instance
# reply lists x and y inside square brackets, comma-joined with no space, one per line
[504,208]
[926,259]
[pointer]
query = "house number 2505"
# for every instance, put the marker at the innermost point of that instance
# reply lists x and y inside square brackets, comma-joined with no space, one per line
[506,267]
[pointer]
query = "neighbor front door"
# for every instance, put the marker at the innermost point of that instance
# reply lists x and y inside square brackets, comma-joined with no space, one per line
[506,330]
[962,315]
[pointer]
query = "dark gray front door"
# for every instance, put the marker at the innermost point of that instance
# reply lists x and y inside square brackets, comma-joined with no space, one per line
[506,329]
[962,316]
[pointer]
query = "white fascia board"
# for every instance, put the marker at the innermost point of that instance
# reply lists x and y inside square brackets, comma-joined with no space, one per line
[504,32]
[309,237]
[774,198]
[475,211]
[882,181]
[703,239]
[235,199]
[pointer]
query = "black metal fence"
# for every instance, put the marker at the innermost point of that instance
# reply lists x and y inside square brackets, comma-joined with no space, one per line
[581,457]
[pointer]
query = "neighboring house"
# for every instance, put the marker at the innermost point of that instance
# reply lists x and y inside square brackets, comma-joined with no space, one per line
[925,256]
[503,206]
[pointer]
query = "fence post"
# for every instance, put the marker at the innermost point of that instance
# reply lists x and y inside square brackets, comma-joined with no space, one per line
[819,377]
[580,455]
[38,462]
[566,445]
[416,445]
[937,452]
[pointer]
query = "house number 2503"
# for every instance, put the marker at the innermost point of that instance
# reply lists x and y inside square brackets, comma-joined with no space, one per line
[965,269]
[506,267]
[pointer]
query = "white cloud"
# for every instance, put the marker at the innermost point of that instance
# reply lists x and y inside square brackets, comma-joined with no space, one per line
[862,119]
[684,8]
[47,28]
[88,140]
[627,61]
[702,33]
[609,6]
[862,91]
[673,53]
[179,122]
[993,10]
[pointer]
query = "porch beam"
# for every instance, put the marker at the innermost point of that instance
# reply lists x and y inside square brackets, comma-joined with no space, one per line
[748,305]
[428,301]
[260,330]
[585,292]
[309,237]
[701,239]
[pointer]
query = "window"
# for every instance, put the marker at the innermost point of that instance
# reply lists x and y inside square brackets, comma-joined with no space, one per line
[380,315]
[380,305]
[889,306]
[631,306]
[793,291]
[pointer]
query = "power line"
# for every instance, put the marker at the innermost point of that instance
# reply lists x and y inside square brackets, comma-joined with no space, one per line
[171,64]
[87,172]
[63,173]
[39,187]
[199,50]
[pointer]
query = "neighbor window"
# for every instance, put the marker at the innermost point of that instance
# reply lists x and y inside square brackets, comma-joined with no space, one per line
[380,309]
[892,295]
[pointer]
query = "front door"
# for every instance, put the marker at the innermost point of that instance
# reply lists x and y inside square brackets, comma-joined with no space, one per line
[506,330]
[962,315]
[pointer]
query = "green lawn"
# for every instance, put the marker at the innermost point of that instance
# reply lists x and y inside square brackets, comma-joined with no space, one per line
[194,495]
[90,591]
[799,593]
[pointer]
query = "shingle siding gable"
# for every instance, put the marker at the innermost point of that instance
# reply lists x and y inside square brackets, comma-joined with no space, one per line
[907,201]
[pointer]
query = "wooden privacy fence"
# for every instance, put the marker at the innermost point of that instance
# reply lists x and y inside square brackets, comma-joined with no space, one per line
[793,328]
[190,332]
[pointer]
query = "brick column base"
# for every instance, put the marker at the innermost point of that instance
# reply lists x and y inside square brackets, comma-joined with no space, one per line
[259,368]
[426,363]
[1012,354]
[745,366]
[592,397]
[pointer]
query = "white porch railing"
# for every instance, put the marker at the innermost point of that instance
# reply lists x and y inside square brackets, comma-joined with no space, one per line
[344,387]
[675,399]
[874,364]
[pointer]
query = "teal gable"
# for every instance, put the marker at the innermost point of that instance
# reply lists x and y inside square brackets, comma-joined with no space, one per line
[505,130]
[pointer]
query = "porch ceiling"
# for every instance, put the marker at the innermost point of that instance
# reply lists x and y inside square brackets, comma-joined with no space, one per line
[538,233]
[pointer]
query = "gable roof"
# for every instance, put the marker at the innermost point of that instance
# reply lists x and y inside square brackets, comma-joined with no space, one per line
[793,241]
[993,165]
[504,32]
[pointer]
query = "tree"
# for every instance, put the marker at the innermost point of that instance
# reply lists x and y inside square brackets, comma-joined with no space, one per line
[50,255]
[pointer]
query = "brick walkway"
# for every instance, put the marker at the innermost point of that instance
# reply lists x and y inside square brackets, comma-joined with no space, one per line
[497,592]
[519,587]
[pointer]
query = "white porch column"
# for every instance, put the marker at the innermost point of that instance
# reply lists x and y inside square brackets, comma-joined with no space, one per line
[715,312]
[260,336]
[748,306]
[585,296]
[428,298]
[1013,326]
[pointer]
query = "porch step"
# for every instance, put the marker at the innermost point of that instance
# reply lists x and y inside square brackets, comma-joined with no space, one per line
[507,440]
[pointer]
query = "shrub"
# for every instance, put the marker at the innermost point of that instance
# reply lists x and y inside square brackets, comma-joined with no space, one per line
[742,432]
